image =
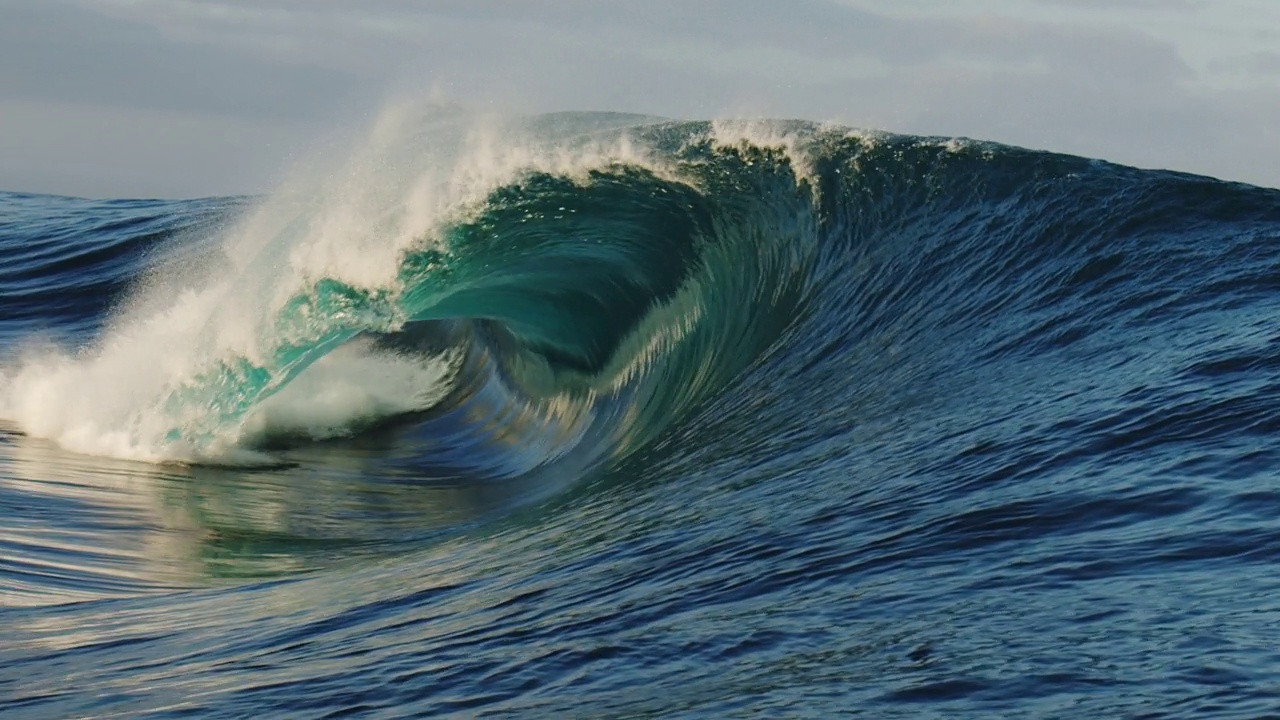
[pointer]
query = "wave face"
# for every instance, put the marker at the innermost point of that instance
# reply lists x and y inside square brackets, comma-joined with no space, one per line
[605,414]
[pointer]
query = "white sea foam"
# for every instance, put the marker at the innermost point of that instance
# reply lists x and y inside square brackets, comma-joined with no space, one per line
[349,385]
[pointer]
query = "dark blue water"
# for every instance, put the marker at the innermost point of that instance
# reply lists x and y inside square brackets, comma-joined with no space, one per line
[619,418]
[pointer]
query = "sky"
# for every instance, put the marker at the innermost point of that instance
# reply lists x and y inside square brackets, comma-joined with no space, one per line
[183,98]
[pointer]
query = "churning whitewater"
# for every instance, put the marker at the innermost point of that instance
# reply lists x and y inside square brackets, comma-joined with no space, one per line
[608,415]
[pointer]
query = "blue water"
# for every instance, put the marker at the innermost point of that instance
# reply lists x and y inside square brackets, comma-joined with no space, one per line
[646,419]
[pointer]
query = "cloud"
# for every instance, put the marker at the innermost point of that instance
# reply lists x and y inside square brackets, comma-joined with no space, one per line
[55,52]
[278,71]
[1252,64]
[107,151]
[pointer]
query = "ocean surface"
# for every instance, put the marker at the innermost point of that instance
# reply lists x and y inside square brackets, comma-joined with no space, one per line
[596,415]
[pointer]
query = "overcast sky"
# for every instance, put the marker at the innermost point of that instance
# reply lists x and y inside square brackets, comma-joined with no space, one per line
[127,98]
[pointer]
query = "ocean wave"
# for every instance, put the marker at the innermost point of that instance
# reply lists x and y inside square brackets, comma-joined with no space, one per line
[578,284]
